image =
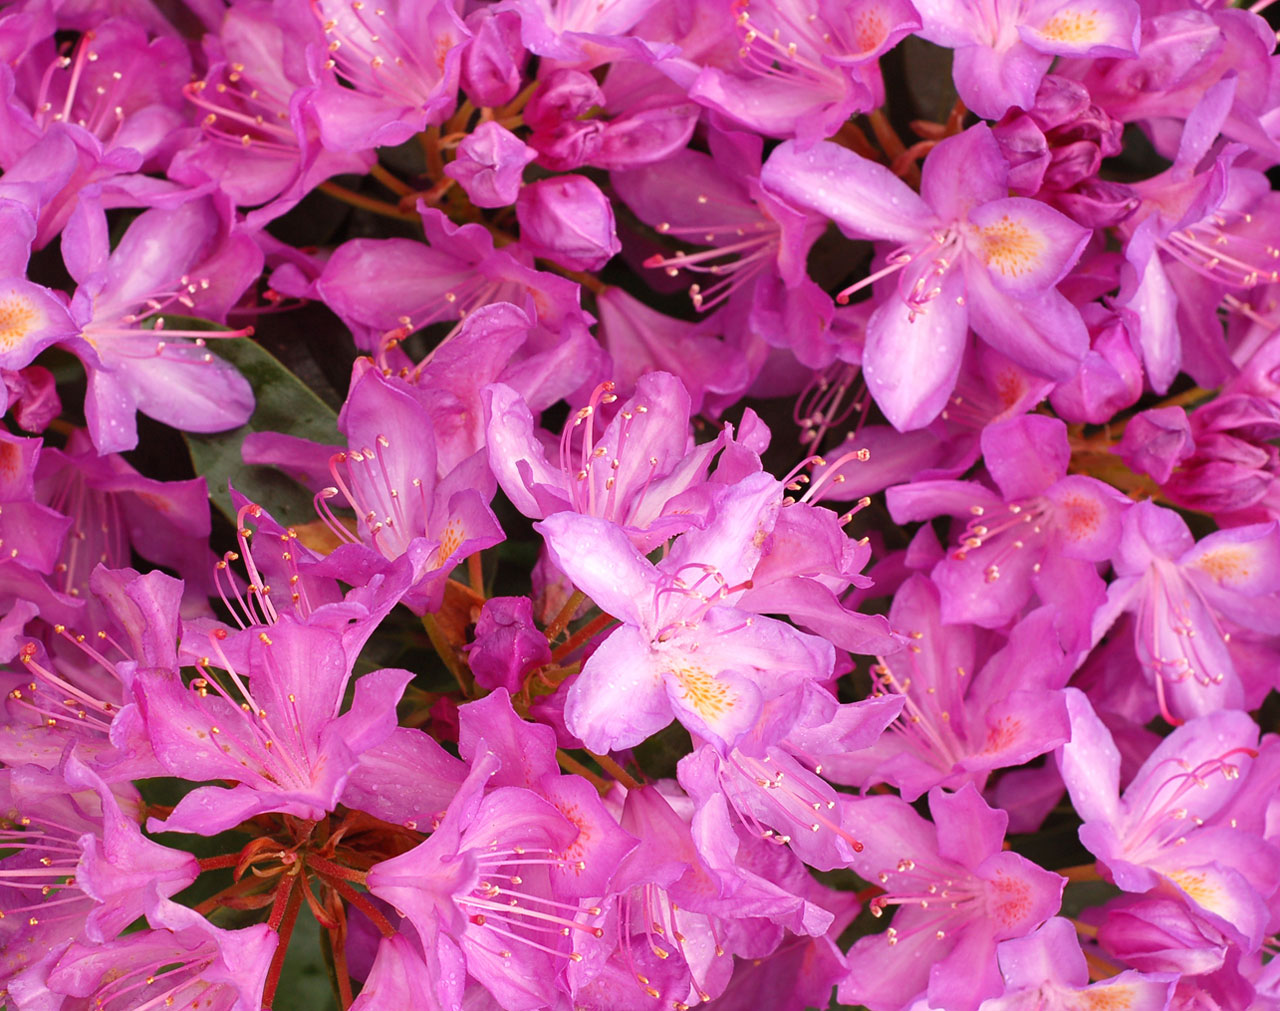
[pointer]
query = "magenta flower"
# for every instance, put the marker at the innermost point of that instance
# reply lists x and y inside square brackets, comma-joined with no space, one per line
[1231,473]
[569,221]
[183,961]
[479,889]
[259,135]
[73,691]
[382,285]
[965,712]
[388,476]
[280,736]
[1178,591]
[76,863]
[117,85]
[398,63]
[493,63]
[30,397]
[637,117]
[507,644]
[32,534]
[400,977]
[1003,49]
[580,34]
[1187,826]
[640,340]
[773,780]
[640,473]
[1189,243]
[1110,377]
[1183,53]
[958,895]
[697,888]
[115,511]
[185,260]
[967,255]
[684,650]
[1043,534]
[801,71]
[32,317]
[1046,970]
[489,165]
[1056,148]
[755,245]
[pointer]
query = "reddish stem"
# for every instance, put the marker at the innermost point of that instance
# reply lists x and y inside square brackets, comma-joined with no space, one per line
[338,945]
[615,770]
[331,870]
[216,863]
[572,765]
[364,905]
[214,901]
[280,907]
[565,615]
[283,917]
[597,624]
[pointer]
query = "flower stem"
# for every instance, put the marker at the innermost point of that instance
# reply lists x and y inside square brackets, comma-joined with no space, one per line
[364,905]
[572,765]
[597,624]
[214,863]
[284,914]
[336,871]
[338,947]
[892,145]
[339,192]
[562,619]
[593,285]
[1084,929]
[231,891]
[395,185]
[431,197]
[1099,968]
[616,771]
[517,104]
[856,141]
[430,141]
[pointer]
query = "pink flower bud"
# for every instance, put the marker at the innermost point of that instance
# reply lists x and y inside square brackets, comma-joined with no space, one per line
[562,95]
[493,62]
[508,644]
[1156,441]
[489,165]
[568,220]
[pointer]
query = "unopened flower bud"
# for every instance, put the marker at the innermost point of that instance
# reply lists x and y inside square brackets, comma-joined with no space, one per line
[489,165]
[568,220]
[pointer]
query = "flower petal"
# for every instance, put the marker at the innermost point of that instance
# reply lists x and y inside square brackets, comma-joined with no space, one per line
[865,199]
[1025,245]
[913,358]
[618,700]
[1083,27]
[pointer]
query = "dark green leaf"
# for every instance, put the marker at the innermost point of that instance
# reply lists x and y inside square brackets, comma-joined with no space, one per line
[286,405]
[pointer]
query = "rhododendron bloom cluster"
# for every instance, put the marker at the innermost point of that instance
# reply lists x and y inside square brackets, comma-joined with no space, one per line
[543,505]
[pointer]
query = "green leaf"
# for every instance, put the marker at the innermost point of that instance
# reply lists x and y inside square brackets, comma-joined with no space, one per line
[284,404]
